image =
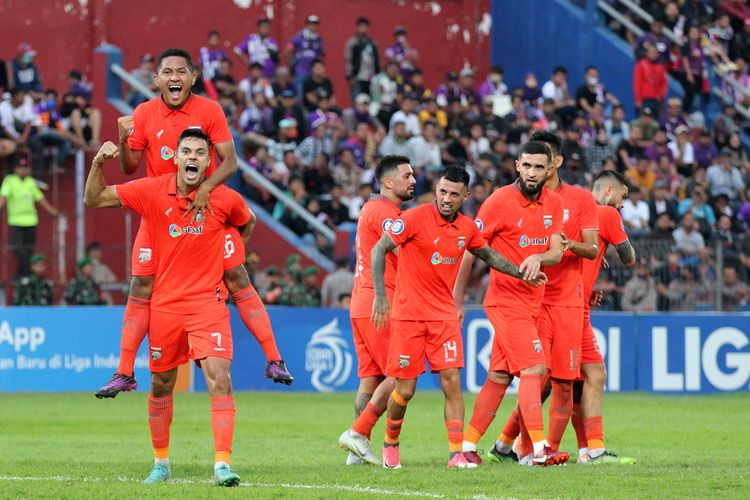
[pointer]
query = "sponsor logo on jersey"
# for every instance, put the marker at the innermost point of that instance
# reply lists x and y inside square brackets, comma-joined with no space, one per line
[397,227]
[526,241]
[167,153]
[175,230]
[439,259]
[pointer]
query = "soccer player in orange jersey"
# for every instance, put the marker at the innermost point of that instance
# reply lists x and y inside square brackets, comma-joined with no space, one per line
[189,318]
[396,179]
[524,221]
[560,322]
[610,188]
[431,239]
[154,129]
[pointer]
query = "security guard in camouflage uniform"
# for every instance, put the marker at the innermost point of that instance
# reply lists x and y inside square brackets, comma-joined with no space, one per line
[307,292]
[83,290]
[36,289]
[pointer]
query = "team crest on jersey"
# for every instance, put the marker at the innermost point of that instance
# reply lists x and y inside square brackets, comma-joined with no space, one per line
[479,224]
[461,242]
[397,227]
[167,153]
[547,221]
[566,215]
[155,353]
[403,360]
[387,225]
[537,345]
[144,255]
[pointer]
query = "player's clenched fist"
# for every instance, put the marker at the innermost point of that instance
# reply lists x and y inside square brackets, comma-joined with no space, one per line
[124,126]
[106,152]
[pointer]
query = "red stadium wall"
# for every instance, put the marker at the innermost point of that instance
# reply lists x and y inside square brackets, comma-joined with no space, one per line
[448,34]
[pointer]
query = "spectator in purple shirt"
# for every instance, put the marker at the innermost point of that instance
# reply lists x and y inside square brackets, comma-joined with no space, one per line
[448,91]
[211,55]
[403,53]
[260,48]
[705,150]
[694,62]
[304,48]
[673,118]
[657,38]
[659,147]
[493,86]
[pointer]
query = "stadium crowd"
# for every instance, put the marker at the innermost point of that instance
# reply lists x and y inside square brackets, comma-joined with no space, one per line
[688,208]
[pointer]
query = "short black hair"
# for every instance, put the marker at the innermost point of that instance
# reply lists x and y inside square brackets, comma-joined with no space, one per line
[535,147]
[363,20]
[75,74]
[610,175]
[387,164]
[455,173]
[94,245]
[550,139]
[174,52]
[193,133]
[590,67]
[560,69]
[496,69]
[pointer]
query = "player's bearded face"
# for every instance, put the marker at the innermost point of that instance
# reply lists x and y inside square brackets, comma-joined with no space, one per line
[192,158]
[404,182]
[450,195]
[533,171]
[175,79]
[617,196]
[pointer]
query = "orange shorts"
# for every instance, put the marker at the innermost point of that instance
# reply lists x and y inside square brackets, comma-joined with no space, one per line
[439,342]
[590,350]
[175,338]
[560,330]
[142,262]
[371,346]
[515,345]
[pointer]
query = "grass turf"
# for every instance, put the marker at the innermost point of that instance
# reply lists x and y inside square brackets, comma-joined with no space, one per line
[75,446]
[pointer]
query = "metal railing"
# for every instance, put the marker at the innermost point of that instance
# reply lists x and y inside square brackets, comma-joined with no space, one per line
[637,10]
[258,179]
[617,16]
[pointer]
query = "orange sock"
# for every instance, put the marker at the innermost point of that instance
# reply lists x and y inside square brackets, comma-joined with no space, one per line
[254,315]
[392,431]
[577,420]
[222,423]
[367,420]
[560,407]
[485,409]
[160,412]
[530,404]
[511,430]
[134,328]
[594,432]
[455,435]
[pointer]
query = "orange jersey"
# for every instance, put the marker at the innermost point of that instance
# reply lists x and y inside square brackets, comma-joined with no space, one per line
[156,129]
[565,280]
[430,251]
[376,217]
[517,227]
[189,258]
[611,232]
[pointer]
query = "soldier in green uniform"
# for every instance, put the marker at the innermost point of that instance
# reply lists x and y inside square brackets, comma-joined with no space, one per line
[307,292]
[83,290]
[35,289]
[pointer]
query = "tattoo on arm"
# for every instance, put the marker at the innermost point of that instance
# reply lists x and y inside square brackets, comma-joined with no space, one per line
[626,252]
[384,246]
[497,261]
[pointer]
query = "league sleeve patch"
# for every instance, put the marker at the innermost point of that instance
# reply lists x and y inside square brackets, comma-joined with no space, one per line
[397,227]
[479,224]
[387,225]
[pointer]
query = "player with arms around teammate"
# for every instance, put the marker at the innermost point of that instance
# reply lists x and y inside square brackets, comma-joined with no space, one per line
[396,179]
[432,239]
[154,129]
[523,221]
[189,318]
[610,189]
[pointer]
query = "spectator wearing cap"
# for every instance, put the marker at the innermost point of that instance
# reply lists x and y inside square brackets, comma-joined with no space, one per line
[318,142]
[448,91]
[493,85]
[339,282]
[593,91]
[407,114]
[211,55]
[274,286]
[467,93]
[260,48]
[303,49]
[83,290]
[318,86]
[34,289]
[650,80]
[647,123]
[85,119]
[19,194]
[143,74]
[307,292]
[724,178]
[360,113]
[683,151]
[288,107]
[24,73]
[362,58]
[402,52]
[383,91]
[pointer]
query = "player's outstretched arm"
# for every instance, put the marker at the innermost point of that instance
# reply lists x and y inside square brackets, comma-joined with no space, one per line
[588,248]
[497,261]
[129,158]
[626,252]
[97,194]
[380,307]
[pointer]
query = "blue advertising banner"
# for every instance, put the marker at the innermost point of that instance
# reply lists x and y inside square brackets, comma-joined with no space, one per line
[76,349]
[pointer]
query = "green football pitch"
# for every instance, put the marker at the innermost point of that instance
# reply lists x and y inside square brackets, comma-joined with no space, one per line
[75,446]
